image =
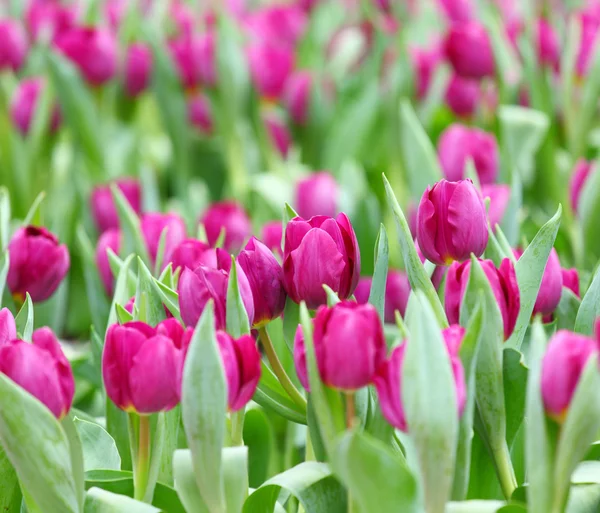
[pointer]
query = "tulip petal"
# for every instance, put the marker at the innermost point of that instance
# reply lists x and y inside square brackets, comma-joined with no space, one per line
[427,227]
[467,219]
[8,328]
[248,361]
[230,365]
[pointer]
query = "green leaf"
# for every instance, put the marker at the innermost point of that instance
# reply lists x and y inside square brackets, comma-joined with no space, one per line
[204,405]
[121,294]
[33,215]
[147,298]
[260,439]
[10,492]
[235,477]
[271,395]
[185,482]
[132,239]
[4,265]
[377,294]
[170,299]
[332,297]
[4,218]
[172,423]
[475,507]
[99,448]
[515,386]
[237,317]
[24,319]
[567,310]
[291,319]
[123,315]
[590,307]
[77,457]
[101,501]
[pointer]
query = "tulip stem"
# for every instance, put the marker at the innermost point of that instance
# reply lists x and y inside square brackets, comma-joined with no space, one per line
[505,471]
[278,369]
[237,427]
[350,409]
[142,465]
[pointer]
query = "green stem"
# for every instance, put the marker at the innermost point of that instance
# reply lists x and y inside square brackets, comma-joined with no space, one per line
[142,464]
[237,427]
[350,409]
[278,369]
[505,471]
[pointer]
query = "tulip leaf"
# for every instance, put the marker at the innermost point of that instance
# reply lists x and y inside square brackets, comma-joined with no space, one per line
[204,405]
[379,478]
[4,266]
[98,500]
[116,264]
[185,482]
[567,311]
[33,215]
[478,506]
[123,315]
[77,457]
[237,317]
[147,298]
[332,297]
[24,319]
[588,212]
[121,295]
[235,477]
[291,319]
[310,482]
[530,270]
[377,294]
[259,436]
[38,449]
[515,384]
[99,448]
[4,218]
[589,309]
[160,251]
[417,275]
[10,492]
[170,299]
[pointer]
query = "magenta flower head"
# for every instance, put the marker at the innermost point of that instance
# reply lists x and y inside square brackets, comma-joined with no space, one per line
[8,327]
[317,252]
[571,280]
[451,222]
[110,239]
[241,361]
[152,226]
[38,263]
[270,66]
[104,210]
[209,281]
[188,254]
[349,346]
[51,18]
[548,45]
[424,62]
[231,217]
[142,366]
[200,113]
[41,368]
[459,143]
[589,23]
[580,175]
[562,366]
[283,25]
[13,45]
[297,96]
[265,276]
[272,235]
[138,69]
[463,96]
[397,290]
[279,134]
[317,195]
[504,286]
[23,105]
[469,50]
[92,50]
[499,196]
[457,10]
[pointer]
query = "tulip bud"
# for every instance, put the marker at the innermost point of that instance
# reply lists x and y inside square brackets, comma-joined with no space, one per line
[424,62]
[265,276]
[188,254]
[37,263]
[570,279]
[92,50]
[589,23]
[469,50]
[200,113]
[297,96]
[459,143]
[282,25]
[152,226]
[564,361]
[138,69]
[317,252]
[40,368]
[499,196]
[457,11]
[8,328]
[580,175]
[349,346]
[548,46]
[49,19]
[207,66]
[24,105]
[185,52]
[279,135]
[451,222]
[272,235]
[110,239]
[504,285]
[196,287]
[463,96]
[231,217]
[317,195]
[241,361]
[13,45]
[142,366]
[270,67]
[397,290]
[104,210]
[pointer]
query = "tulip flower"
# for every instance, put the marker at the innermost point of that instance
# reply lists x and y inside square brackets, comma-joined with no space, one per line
[40,368]
[196,287]
[459,143]
[589,23]
[265,276]
[451,222]
[317,252]
[270,66]
[297,96]
[138,69]
[272,235]
[570,279]
[566,357]
[548,45]
[188,254]
[110,239]
[185,53]
[50,19]
[503,281]
[231,217]
[463,96]
[241,361]
[152,226]
[457,11]
[200,113]
[23,105]
[499,196]
[38,263]
[397,290]
[142,366]
[13,45]
[92,50]
[317,195]
[579,177]
[279,134]
[104,210]
[424,61]
[469,50]
[281,25]
[349,346]
[388,379]
[8,328]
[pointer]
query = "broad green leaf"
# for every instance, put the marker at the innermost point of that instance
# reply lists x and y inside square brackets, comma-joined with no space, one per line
[101,501]
[147,298]
[475,507]
[170,298]
[259,436]
[314,433]
[160,251]
[99,448]
[123,315]
[185,482]
[511,221]
[24,319]
[77,457]
[271,395]
[235,477]
[121,294]
[588,212]
[237,317]
[584,499]
[4,265]
[515,385]
[377,294]
[590,307]
[567,310]
[291,319]
[132,239]
[10,492]
[4,218]
[172,423]
[332,297]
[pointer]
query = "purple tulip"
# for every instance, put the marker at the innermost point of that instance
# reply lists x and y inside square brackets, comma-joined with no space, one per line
[349,346]
[463,96]
[499,196]
[397,290]
[451,222]
[570,279]
[138,69]
[110,239]
[297,96]
[317,252]
[188,254]
[469,50]
[38,263]
[40,368]
[231,217]
[424,62]
[270,66]
[504,285]
[24,105]
[281,25]
[566,357]
[104,210]
[265,276]
[13,45]
[457,11]
[459,143]
[241,362]
[8,328]
[200,113]
[279,134]
[152,226]
[580,175]
[317,195]
[196,287]
[272,235]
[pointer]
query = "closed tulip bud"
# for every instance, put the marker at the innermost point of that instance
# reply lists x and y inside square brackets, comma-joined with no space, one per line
[317,252]
[185,52]
[297,96]
[566,357]
[279,134]
[589,24]
[8,328]
[200,113]
[451,222]
[571,280]
[152,226]
[138,69]
[548,46]
[24,102]
[317,195]
[13,45]
[104,210]
[270,66]
[188,255]
[265,276]
[207,67]
[38,263]
[580,175]
[231,217]
[40,368]
[503,281]
[92,50]
[469,50]
[397,290]
[280,24]
[241,362]
[499,196]
[142,366]
[424,62]
[457,10]
[110,239]
[349,346]
[459,143]
[272,235]
[196,287]
[463,96]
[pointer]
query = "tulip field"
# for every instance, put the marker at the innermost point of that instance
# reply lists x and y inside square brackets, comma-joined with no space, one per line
[299,256]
